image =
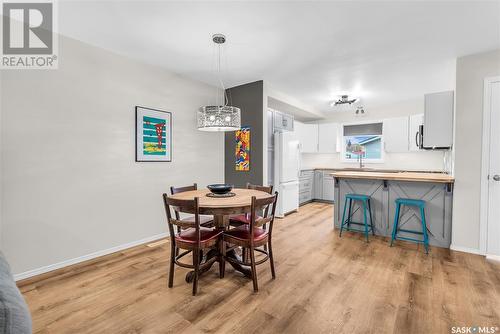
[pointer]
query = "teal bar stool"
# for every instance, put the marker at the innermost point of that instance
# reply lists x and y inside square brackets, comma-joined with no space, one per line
[410,202]
[365,200]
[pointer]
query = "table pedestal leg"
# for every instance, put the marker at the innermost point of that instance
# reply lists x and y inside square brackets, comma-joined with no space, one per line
[238,267]
[211,253]
[221,222]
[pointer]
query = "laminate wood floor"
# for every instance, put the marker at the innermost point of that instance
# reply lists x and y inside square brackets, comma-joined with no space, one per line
[324,284]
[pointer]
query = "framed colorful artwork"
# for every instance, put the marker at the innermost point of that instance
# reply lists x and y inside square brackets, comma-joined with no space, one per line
[153,134]
[243,149]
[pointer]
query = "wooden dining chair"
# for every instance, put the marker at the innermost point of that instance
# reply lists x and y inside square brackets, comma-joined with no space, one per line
[253,235]
[206,221]
[192,238]
[238,220]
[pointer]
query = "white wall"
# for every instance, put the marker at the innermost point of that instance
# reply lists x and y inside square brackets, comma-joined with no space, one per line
[422,160]
[70,185]
[471,71]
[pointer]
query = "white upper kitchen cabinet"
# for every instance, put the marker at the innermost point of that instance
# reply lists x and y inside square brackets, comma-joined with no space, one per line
[327,137]
[308,137]
[438,120]
[298,128]
[282,121]
[415,122]
[395,132]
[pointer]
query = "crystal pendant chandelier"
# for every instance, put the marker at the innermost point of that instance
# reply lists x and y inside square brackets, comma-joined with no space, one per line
[219,117]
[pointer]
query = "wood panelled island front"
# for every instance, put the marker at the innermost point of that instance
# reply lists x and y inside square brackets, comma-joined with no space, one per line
[436,189]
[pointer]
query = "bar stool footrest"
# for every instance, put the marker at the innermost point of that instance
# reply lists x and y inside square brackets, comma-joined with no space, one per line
[409,239]
[409,231]
[355,230]
[350,229]
[354,223]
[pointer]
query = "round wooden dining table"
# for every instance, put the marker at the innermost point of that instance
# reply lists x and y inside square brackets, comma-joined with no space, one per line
[222,208]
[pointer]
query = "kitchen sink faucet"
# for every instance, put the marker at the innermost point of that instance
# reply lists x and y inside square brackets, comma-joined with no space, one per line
[360,157]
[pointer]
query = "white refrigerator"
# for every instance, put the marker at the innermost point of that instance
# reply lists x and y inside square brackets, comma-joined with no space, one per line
[286,172]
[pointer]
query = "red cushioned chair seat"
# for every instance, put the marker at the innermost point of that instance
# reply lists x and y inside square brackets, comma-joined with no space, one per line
[189,235]
[242,219]
[243,233]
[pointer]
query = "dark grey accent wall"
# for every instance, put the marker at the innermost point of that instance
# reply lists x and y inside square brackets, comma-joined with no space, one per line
[249,98]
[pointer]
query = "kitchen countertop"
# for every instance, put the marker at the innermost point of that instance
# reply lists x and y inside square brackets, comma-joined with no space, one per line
[397,176]
[368,169]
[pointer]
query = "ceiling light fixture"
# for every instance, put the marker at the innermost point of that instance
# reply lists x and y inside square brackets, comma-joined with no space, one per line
[360,111]
[221,116]
[344,99]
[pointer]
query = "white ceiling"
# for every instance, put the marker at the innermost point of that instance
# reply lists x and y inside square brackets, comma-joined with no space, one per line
[383,51]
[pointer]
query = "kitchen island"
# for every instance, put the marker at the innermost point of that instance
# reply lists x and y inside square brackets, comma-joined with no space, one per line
[436,189]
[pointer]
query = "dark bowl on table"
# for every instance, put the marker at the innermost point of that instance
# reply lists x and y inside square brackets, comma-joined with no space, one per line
[220,189]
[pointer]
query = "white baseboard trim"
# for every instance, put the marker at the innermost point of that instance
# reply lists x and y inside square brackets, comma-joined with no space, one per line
[65,263]
[493,257]
[466,250]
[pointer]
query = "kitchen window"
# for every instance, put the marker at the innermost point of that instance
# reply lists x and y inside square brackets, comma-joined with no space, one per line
[364,140]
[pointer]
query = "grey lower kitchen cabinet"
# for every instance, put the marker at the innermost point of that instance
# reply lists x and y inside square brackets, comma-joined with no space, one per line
[328,187]
[316,185]
[306,186]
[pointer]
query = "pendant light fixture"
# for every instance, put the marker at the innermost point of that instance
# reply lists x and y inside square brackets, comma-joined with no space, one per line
[221,116]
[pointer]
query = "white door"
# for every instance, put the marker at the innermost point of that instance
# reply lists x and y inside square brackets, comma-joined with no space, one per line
[493,229]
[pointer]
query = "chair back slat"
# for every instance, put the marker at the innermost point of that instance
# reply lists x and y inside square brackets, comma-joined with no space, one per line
[174,190]
[182,205]
[269,206]
[267,189]
[182,223]
[262,221]
[264,204]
